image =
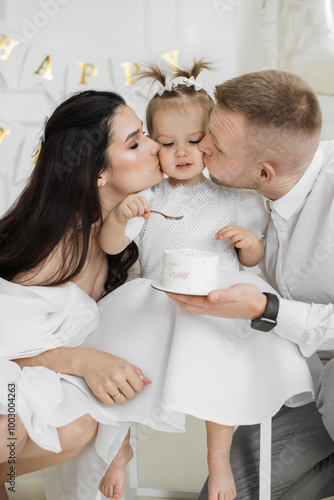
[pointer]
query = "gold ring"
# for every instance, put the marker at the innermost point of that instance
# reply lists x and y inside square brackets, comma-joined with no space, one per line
[117,396]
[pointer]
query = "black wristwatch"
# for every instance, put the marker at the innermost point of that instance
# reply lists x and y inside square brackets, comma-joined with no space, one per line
[268,320]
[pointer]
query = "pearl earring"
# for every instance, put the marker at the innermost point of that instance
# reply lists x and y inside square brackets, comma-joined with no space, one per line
[103,183]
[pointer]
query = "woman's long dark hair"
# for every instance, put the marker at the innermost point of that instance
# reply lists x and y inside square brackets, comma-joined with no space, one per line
[61,203]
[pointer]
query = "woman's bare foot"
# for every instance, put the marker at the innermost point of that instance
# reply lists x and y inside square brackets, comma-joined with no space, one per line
[112,483]
[221,482]
[3,493]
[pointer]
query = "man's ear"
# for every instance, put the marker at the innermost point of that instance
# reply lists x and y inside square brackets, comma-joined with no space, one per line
[265,172]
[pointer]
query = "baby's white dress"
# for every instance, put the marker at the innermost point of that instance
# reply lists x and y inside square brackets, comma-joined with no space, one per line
[213,368]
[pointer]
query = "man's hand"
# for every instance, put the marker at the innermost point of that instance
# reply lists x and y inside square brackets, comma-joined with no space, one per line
[239,301]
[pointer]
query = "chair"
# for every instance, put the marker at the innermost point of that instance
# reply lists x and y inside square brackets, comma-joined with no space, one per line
[135,489]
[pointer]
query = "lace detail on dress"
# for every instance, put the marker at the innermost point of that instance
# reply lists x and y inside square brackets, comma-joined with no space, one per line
[206,207]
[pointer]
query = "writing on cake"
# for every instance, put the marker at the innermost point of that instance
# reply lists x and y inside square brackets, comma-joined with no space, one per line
[173,273]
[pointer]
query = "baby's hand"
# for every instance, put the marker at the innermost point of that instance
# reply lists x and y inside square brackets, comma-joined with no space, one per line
[132,206]
[241,237]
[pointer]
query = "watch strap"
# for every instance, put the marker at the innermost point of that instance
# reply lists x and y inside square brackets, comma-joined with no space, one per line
[268,320]
[271,311]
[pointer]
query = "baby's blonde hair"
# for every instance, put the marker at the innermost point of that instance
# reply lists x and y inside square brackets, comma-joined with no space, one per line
[180,94]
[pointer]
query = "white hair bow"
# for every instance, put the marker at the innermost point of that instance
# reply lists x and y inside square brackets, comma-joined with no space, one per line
[192,82]
[167,88]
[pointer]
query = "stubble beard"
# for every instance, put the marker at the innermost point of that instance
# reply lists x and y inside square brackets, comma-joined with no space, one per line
[219,183]
[240,182]
[243,180]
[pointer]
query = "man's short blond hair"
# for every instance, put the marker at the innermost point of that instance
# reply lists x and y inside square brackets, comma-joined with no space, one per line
[280,108]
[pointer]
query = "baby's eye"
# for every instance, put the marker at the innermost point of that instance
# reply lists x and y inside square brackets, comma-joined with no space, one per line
[195,142]
[134,146]
[166,145]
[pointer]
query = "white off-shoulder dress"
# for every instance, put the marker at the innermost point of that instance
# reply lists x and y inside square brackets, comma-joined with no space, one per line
[213,368]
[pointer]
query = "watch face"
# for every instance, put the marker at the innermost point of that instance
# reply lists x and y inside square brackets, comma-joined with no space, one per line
[263,324]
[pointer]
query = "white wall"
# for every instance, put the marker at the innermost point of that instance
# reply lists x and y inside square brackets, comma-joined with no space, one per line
[118,31]
[109,32]
[136,29]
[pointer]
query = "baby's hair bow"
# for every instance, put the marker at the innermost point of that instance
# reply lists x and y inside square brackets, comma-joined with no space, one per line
[192,82]
[167,88]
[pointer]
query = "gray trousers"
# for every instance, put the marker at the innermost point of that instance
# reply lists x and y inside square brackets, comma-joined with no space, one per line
[325,397]
[302,451]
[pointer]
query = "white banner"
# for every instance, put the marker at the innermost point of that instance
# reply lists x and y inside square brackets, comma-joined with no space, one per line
[11,139]
[12,51]
[25,64]
[88,72]
[46,67]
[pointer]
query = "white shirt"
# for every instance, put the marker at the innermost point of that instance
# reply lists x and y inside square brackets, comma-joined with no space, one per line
[299,258]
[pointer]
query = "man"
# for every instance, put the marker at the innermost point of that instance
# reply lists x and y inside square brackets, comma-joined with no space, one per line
[264,135]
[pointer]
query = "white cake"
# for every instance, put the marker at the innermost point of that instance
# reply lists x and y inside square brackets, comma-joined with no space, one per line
[189,271]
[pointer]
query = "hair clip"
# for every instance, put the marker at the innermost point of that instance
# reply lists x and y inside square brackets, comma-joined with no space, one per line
[167,88]
[40,138]
[191,82]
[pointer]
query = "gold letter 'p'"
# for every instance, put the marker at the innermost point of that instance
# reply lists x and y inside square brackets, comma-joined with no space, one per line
[130,68]
[85,73]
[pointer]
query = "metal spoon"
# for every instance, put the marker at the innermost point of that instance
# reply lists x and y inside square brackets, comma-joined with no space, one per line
[166,216]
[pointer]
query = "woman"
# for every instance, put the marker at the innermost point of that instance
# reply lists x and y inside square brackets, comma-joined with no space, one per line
[52,272]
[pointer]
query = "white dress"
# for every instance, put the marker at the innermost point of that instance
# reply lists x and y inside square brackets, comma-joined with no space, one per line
[190,359]
[186,355]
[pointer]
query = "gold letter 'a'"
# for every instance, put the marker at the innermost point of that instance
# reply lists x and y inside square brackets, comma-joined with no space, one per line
[46,68]
[171,58]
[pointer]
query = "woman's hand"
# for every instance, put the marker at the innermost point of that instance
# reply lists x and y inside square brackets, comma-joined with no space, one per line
[105,374]
[108,375]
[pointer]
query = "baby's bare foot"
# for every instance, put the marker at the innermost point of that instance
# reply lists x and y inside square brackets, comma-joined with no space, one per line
[112,483]
[221,482]
[3,493]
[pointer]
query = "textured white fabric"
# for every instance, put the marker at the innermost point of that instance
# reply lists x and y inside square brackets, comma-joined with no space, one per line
[299,255]
[206,208]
